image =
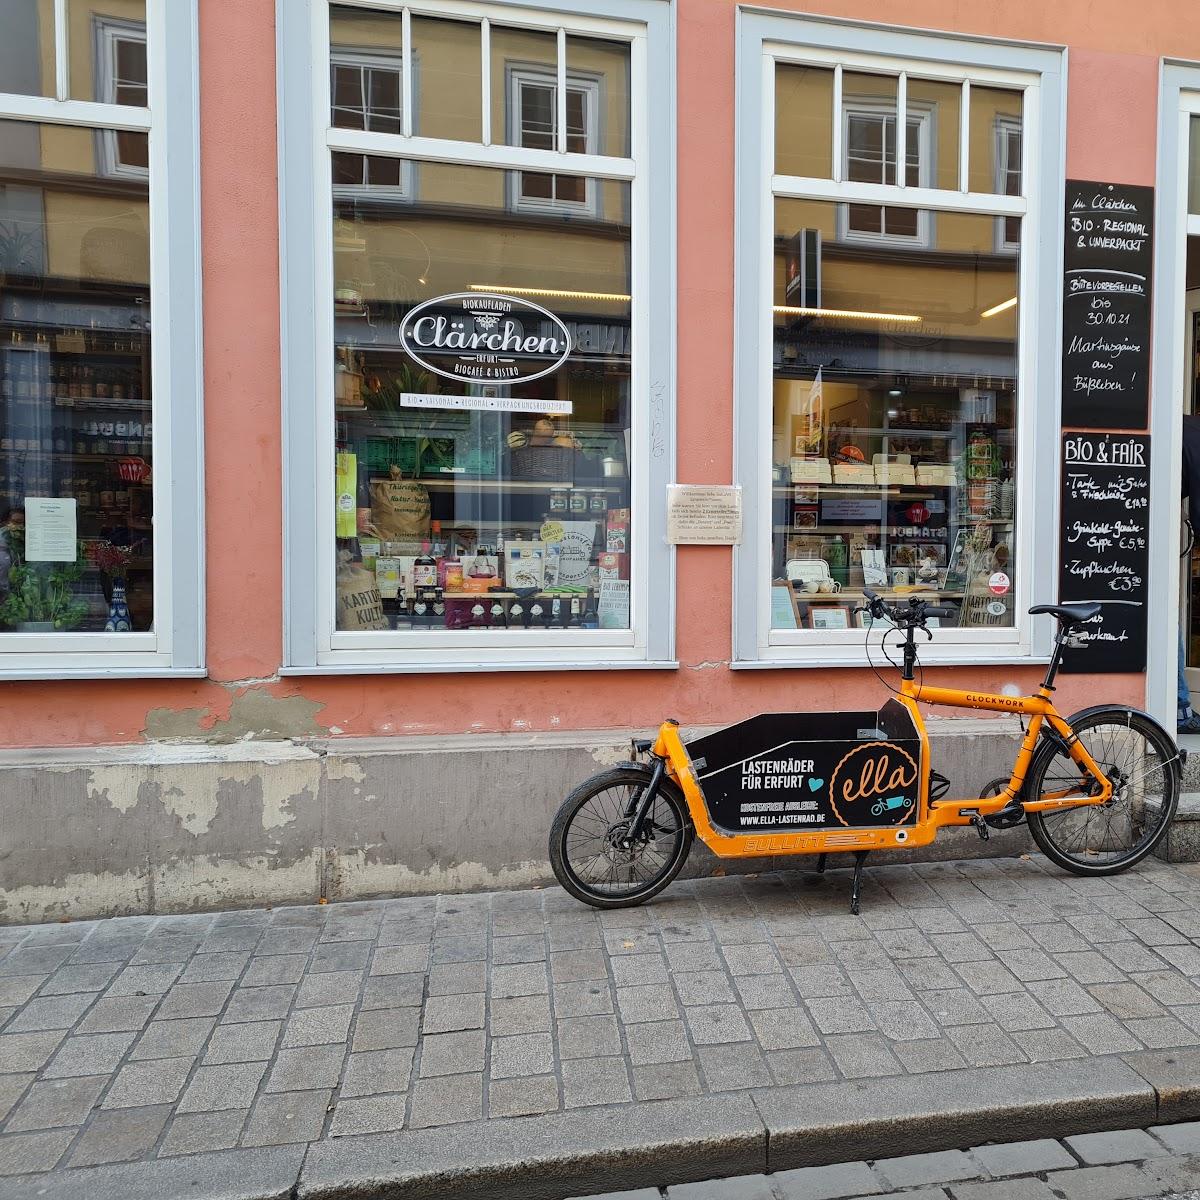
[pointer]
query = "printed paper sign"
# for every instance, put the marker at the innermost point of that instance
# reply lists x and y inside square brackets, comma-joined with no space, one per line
[50,529]
[703,515]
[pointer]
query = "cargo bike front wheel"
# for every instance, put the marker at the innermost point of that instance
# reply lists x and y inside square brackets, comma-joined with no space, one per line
[592,851]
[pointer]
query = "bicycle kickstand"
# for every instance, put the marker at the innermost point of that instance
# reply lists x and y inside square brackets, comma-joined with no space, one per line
[860,857]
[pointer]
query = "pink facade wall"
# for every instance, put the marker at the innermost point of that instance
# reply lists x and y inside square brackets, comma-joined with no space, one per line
[1113,71]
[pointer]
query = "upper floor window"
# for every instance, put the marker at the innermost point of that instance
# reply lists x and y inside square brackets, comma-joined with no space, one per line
[1008,177]
[870,157]
[366,94]
[534,107]
[121,79]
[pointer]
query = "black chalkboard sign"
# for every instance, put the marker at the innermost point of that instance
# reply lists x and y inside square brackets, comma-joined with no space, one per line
[783,772]
[1106,306]
[1105,545]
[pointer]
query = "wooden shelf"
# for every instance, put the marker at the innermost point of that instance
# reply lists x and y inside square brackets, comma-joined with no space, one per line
[867,491]
[465,483]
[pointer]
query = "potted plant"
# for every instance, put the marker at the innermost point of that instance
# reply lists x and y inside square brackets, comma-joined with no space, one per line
[40,597]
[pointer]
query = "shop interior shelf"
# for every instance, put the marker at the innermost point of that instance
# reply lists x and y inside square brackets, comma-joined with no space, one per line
[467,483]
[564,595]
[868,490]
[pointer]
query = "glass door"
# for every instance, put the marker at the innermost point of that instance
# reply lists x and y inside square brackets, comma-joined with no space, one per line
[1190,567]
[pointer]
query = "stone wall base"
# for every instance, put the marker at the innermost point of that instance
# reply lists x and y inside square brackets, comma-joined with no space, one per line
[108,831]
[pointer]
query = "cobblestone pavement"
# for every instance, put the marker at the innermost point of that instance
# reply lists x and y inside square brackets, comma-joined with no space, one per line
[153,1037]
[1129,1164]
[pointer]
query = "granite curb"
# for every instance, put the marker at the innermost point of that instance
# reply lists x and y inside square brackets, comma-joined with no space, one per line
[555,1156]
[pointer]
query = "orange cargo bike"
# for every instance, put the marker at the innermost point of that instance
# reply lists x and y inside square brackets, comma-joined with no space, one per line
[1098,789]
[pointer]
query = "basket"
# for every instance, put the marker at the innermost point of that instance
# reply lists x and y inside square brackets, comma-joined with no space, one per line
[550,464]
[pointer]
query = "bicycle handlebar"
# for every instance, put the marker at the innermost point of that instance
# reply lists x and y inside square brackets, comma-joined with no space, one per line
[904,617]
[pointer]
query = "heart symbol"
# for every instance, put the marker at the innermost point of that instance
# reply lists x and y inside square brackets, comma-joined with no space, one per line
[815,784]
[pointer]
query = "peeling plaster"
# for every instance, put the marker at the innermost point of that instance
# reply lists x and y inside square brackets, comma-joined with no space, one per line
[255,714]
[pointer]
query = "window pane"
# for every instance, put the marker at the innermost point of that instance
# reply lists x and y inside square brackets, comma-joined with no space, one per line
[995,134]
[1194,168]
[803,121]
[606,64]
[75,413]
[482,477]
[107,44]
[521,58]
[934,109]
[366,55]
[894,419]
[27,48]
[448,73]
[538,116]
[383,100]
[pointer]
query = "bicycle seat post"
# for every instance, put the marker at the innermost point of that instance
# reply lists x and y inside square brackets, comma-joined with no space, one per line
[1056,658]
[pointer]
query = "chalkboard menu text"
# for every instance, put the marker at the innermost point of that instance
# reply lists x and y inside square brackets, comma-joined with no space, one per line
[1105,553]
[1106,306]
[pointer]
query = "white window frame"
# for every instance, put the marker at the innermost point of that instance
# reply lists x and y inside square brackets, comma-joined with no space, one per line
[109,31]
[882,108]
[522,76]
[1004,126]
[175,645]
[1179,102]
[312,645]
[341,56]
[767,38]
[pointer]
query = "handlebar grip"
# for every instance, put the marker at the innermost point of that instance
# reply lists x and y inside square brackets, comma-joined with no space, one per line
[940,610]
[870,595]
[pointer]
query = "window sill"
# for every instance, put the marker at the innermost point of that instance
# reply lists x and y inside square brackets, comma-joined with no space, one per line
[825,659]
[480,667]
[16,672]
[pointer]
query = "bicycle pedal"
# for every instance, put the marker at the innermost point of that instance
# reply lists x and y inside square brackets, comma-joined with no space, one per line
[981,827]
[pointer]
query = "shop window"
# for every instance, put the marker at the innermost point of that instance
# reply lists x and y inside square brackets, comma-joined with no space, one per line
[892,373]
[489,414]
[121,79]
[534,108]
[91,488]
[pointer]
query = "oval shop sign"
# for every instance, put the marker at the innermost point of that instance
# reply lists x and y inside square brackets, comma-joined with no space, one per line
[482,337]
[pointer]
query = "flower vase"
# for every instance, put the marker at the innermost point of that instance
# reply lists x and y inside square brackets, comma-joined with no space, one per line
[119,620]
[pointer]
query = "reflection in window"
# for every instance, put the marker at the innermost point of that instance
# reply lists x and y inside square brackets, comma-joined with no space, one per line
[535,102]
[894,417]
[1008,176]
[76,537]
[366,94]
[870,157]
[121,79]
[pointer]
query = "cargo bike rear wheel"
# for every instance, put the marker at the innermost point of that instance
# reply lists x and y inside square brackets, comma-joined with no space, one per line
[592,852]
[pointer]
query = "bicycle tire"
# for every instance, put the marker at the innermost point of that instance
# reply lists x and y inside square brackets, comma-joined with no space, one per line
[621,779]
[1159,785]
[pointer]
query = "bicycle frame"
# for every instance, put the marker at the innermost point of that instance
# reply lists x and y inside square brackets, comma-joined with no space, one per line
[932,814]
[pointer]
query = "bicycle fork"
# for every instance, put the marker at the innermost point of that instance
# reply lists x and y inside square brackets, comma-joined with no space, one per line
[640,804]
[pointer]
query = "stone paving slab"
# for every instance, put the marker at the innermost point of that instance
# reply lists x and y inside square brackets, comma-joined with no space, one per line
[996,996]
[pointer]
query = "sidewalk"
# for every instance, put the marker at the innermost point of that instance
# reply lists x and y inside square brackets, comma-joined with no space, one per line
[431,1046]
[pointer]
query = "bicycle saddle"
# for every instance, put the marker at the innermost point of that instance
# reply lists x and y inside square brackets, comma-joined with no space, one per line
[1068,614]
